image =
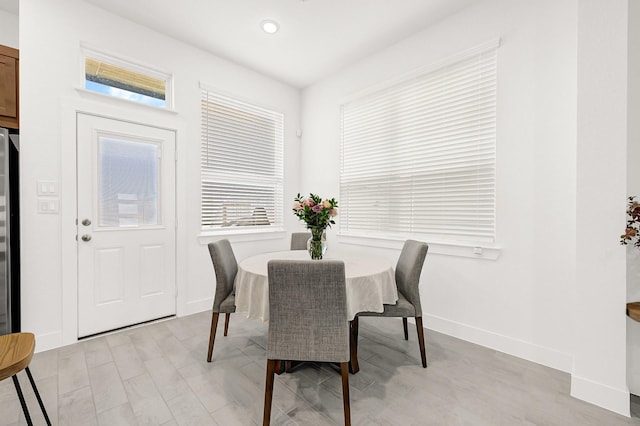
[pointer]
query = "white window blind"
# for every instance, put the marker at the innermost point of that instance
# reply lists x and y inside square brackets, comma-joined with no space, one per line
[418,158]
[242,164]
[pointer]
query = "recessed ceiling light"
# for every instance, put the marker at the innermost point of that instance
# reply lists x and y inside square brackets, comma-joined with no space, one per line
[270,27]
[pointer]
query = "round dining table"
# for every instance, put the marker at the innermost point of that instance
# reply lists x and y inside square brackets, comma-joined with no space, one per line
[370,283]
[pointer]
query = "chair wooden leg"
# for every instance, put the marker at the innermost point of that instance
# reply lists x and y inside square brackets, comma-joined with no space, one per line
[355,325]
[354,366]
[344,370]
[212,334]
[23,403]
[35,390]
[406,329]
[226,323]
[420,331]
[268,391]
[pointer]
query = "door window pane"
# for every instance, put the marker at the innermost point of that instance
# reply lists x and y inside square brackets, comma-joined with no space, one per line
[129,183]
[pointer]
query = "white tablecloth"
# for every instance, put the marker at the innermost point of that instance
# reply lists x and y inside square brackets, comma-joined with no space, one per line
[370,283]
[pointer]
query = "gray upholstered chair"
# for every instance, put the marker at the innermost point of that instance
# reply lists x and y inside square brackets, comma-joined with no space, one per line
[226,268]
[408,271]
[299,240]
[307,320]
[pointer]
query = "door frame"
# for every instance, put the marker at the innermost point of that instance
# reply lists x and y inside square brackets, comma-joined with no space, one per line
[134,297]
[115,109]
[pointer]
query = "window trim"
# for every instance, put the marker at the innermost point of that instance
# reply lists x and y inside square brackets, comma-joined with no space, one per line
[475,251]
[481,248]
[417,72]
[130,65]
[245,233]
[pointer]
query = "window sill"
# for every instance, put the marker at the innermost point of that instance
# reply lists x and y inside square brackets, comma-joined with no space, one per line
[478,251]
[240,235]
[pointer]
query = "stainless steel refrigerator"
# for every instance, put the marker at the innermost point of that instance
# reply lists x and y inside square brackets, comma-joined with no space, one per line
[9,233]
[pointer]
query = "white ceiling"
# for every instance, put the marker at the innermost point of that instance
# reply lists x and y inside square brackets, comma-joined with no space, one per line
[316,37]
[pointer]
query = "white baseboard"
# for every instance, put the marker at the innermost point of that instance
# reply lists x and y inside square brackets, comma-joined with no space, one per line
[520,348]
[616,400]
[195,306]
[613,399]
[53,340]
[47,341]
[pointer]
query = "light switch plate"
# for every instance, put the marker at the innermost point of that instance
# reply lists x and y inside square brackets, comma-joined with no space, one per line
[48,205]
[47,188]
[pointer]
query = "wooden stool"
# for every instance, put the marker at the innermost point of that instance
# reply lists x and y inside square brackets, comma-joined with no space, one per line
[633,310]
[16,351]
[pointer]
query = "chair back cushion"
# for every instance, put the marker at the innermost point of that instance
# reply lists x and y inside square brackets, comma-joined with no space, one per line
[408,271]
[307,311]
[299,240]
[226,268]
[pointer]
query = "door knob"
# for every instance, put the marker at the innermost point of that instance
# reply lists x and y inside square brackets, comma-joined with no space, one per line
[86,222]
[86,237]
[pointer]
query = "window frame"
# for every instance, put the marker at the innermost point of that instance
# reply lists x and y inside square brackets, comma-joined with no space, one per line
[129,65]
[255,231]
[465,246]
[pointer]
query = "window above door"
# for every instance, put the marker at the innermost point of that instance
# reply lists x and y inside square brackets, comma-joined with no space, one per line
[124,79]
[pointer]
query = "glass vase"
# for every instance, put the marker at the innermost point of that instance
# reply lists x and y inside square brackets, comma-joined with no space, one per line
[317,244]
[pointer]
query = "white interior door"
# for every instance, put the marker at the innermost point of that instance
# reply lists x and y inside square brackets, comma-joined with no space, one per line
[126,223]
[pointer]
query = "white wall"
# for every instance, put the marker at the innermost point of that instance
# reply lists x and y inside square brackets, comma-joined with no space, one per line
[8,29]
[555,295]
[50,35]
[522,303]
[633,188]
[517,303]
[599,371]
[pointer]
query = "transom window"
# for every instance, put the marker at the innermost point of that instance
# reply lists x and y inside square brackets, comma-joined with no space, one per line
[418,158]
[122,79]
[241,164]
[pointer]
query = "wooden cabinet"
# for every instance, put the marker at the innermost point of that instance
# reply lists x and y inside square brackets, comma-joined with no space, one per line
[9,87]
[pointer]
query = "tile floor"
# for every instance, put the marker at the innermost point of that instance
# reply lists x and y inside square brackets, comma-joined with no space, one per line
[157,374]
